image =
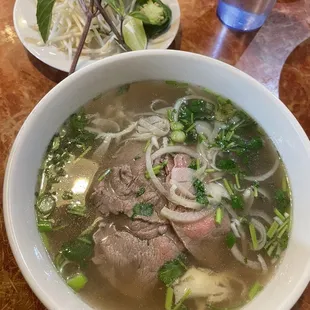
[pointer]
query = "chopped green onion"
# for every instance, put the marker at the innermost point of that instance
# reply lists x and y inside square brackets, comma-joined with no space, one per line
[255,191]
[104,174]
[177,84]
[229,135]
[169,298]
[253,236]
[219,216]
[156,169]
[237,180]
[77,282]
[279,215]
[75,209]
[45,240]
[67,195]
[176,126]
[192,119]
[284,184]
[83,154]
[178,136]
[271,249]
[198,163]
[284,228]
[190,128]
[272,230]
[228,188]
[201,137]
[183,298]
[148,142]
[210,170]
[254,290]
[46,204]
[45,226]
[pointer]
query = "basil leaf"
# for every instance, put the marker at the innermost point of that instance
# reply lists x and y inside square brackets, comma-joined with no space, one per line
[44,17]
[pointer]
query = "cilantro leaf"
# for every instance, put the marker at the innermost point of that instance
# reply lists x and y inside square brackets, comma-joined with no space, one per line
[172,270]
[201,196]
[230,239]
[237,202]
[228,165]
[143,208]
[282,200]
[140,191]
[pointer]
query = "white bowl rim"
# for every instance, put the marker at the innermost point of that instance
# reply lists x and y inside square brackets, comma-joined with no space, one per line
[14,243]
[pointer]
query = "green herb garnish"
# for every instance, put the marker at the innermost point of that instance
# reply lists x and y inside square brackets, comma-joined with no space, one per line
[142,209]
[172,270]
[201,196]
[140,191]
[230,239]
[254,290]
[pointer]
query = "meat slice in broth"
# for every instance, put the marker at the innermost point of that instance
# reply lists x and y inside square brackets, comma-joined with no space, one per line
[131,264]
[204,239]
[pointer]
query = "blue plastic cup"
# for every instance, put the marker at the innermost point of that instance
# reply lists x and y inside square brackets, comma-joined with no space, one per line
[244,15]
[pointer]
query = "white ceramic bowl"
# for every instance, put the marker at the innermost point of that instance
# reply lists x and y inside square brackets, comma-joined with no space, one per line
[292,275]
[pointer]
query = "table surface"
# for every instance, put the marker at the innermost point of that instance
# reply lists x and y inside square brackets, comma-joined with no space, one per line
[278,56]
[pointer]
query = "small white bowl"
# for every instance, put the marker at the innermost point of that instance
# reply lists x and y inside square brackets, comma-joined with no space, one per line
[292,275]
[24,17]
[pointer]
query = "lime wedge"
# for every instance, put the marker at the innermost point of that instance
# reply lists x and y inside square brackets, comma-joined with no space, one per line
[134,34]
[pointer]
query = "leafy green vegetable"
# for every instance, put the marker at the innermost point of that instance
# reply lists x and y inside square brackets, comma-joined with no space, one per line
[230,239]
[193,165]
[228,165]
[282,200]
[143,209]
[123,89]
[237,202]
[172,270]
[44,17]
[224,109]
[201,196]
[140,192]
[78,250]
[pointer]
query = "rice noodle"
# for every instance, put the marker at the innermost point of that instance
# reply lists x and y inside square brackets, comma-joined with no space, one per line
[127,130]
[266,175]
[234,229]
[161,110]
[261,241]
[155,125]
[184,217]
[155,142]
[242,259]
[261,214]
[175,149]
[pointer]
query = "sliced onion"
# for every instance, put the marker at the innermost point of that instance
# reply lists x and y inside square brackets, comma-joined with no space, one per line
[248,198]
[165,141]
[244,243]
[155,142]
[261,214]
[102,149]
[157,102]
[186,203]
[234,229]
[266,175]
[174,149]
[204,128]
[184,217]
[216,129]
[261,241]
[262,263]
[217,191]
[213,163]
[229,209]
[264,193]
[240,258]
[106,125]
[183,190]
